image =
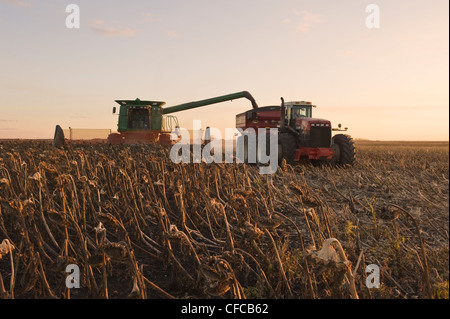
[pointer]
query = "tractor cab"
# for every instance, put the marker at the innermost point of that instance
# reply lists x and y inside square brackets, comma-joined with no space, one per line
[295,110]
[310,132]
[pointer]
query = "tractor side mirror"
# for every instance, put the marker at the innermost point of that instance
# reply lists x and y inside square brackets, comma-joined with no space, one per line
[114,110]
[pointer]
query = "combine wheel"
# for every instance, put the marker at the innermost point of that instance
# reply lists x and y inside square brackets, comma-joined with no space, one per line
[165,139]
[115,138]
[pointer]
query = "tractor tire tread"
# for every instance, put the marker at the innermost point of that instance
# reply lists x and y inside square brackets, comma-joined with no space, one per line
[347,149]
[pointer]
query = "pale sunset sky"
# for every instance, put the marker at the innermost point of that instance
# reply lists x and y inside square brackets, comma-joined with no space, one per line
[386,83]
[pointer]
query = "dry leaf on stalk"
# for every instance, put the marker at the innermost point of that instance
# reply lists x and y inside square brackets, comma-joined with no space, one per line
[328,256]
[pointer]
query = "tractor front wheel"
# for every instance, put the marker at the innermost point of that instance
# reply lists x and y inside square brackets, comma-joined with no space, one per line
[344,150]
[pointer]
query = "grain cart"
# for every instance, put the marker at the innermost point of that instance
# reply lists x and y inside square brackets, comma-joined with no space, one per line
[299,134]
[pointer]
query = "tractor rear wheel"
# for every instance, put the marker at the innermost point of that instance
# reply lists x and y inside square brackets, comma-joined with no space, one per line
[287,146]
[344,150]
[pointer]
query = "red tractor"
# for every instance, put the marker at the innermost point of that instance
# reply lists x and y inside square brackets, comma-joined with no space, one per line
[300,136]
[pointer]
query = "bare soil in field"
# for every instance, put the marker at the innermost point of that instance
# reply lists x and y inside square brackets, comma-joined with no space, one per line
[139,226]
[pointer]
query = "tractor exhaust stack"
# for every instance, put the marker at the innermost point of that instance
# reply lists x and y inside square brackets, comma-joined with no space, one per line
[282,116]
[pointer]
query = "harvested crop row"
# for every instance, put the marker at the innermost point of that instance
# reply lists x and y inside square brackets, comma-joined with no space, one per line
[139,226]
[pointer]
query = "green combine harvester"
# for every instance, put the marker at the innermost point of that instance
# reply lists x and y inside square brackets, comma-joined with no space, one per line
[147,122]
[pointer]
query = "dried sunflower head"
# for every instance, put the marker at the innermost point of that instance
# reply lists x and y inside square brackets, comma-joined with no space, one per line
[6,247]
